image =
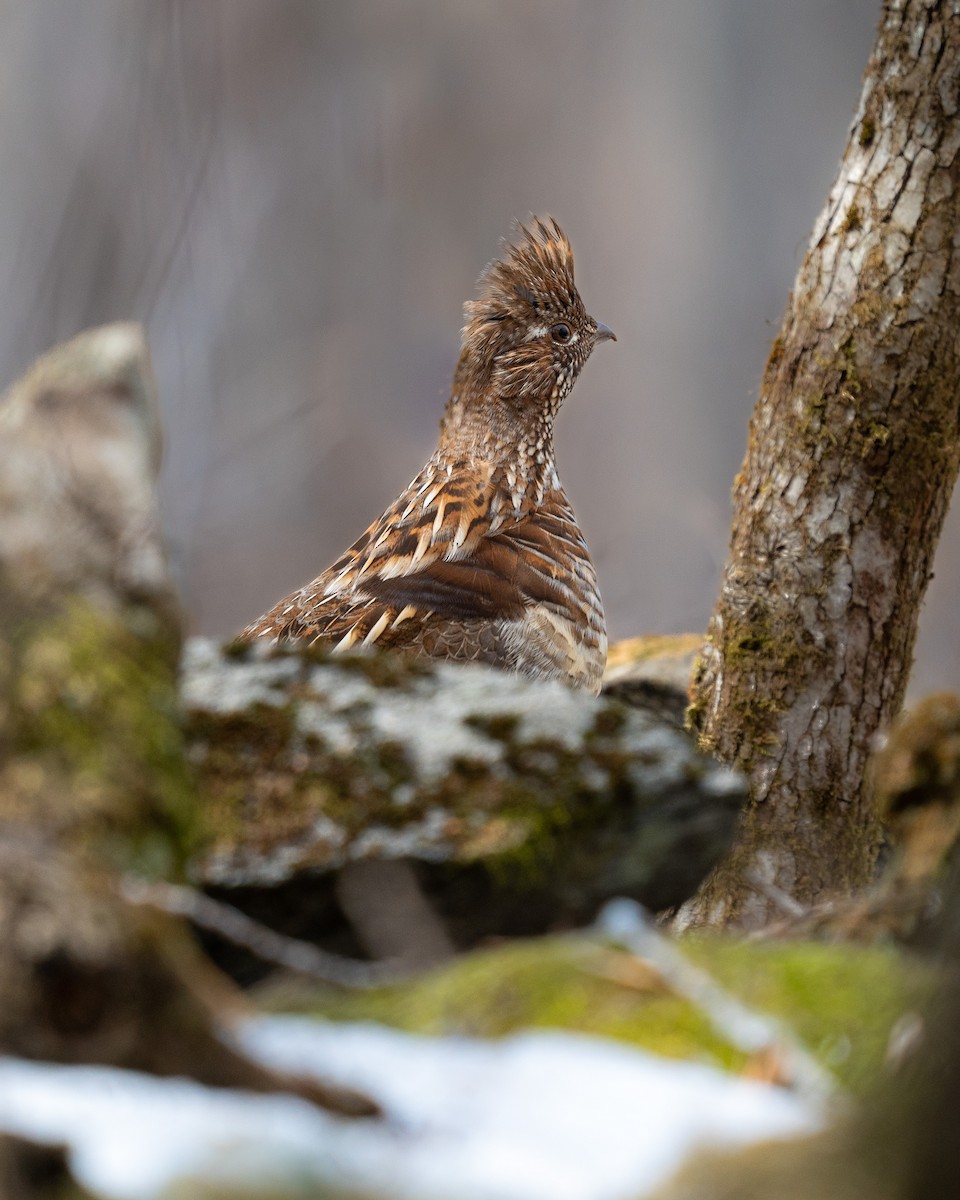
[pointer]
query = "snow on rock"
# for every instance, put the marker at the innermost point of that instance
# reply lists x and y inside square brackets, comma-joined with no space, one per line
[537,1116]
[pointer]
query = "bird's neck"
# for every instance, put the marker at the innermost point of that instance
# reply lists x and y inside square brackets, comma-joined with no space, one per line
[515,437]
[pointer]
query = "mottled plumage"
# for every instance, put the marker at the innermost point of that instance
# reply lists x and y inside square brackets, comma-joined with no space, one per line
[480,558]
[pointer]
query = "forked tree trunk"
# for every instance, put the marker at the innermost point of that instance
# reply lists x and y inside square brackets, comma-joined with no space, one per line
[852,457]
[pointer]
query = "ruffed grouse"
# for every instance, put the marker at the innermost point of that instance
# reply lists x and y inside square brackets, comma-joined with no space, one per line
[480,559]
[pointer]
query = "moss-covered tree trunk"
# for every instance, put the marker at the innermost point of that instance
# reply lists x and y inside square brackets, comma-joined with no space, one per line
[852,457]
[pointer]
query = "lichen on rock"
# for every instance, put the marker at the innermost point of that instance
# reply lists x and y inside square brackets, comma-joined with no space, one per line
[307,762]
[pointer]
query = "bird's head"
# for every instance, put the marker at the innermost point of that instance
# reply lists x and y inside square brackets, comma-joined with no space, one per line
[527,334]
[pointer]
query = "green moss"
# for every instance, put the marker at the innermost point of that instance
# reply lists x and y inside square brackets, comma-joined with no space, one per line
[693,718]
[868,131]
[546,826]
[876,435]
[499,726]
[554,983]
[750,643]
[265,729]
[841,1001]
[527,812]
[870,307]
[382,670]
[608,722]
[813,419]
[539,848]
[754,641]
[96,747]
[238,649]
[853,220]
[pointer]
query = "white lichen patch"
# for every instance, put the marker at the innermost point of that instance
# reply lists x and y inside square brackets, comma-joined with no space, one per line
[323,840]
[433,764]
[207,684]
[436,719]
[427,839]
[722,781]
[335,732]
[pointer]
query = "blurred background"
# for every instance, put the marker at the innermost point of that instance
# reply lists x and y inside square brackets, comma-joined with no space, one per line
[297,197]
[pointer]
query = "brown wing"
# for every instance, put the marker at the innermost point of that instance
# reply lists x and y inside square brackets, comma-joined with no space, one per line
[443,514]
[448,571]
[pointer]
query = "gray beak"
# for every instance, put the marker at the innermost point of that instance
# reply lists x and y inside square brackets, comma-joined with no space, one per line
[604,333]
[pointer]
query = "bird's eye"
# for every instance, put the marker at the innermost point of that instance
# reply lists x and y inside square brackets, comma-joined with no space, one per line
[560,332]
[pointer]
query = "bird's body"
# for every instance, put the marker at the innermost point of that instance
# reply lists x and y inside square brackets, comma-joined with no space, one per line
[481,559]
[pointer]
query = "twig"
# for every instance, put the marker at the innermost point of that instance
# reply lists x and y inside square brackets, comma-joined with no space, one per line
[776,895]
[625,923]
[233,925]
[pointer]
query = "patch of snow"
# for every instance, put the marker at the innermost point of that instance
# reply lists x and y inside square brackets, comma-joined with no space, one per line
[536,1116]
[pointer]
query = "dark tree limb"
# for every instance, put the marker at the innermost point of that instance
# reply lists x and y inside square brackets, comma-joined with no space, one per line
[852,457]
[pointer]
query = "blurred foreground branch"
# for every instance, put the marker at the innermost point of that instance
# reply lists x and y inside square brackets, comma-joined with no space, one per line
[93,776]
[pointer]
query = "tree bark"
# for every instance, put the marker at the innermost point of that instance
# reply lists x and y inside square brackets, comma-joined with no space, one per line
[852,457]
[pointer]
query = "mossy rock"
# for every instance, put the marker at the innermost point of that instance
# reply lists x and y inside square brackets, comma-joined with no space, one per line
[92,749]
[841,1002]
[307,762]
[653,672]
[94,744]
